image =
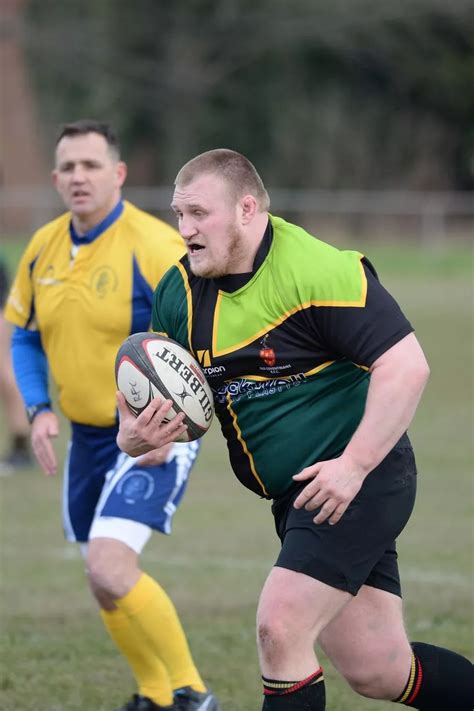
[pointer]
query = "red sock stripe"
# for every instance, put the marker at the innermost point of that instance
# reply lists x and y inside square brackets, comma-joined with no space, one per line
[296,686]
[419,679]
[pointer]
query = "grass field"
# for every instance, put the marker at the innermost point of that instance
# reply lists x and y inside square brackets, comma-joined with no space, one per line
[55,654]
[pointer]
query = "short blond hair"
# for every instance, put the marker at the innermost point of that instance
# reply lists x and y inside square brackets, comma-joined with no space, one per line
[239,173]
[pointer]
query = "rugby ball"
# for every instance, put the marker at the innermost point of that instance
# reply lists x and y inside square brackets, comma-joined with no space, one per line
[149,365]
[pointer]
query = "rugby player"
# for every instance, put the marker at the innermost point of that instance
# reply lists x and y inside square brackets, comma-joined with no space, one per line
[316,374]
[84,283]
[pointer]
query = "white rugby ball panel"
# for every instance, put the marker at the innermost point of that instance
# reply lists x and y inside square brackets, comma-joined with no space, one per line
[134,384]
[148,365]
[182,378]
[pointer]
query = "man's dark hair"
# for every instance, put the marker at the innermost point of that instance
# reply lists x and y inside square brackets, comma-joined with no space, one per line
[85,126]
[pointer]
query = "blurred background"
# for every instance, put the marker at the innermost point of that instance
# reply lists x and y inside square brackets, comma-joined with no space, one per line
[359,115]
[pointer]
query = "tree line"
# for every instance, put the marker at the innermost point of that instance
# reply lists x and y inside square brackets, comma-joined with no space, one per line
[340,94]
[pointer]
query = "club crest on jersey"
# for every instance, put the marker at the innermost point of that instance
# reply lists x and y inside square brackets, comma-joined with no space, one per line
[267,354]
[136,486]
[104,281]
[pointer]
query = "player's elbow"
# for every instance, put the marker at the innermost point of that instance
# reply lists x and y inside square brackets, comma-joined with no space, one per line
[417,373]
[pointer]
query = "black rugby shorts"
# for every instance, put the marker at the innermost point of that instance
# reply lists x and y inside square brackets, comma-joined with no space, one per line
[360,549]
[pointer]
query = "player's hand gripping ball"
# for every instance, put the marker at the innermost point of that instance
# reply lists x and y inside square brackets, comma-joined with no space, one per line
[149,365]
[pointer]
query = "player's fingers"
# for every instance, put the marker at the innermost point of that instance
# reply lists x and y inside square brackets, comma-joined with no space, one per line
[45,455]
[156,411]
[337,514]
[304,496]
[121,402]
[308,472]
[176,426]
[316,501]
[325,512]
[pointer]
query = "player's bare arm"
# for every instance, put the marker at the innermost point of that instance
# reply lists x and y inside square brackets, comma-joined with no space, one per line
[398,378]
[148,431]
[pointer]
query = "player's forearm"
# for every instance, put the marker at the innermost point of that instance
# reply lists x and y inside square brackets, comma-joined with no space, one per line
[397,382]
[30,366]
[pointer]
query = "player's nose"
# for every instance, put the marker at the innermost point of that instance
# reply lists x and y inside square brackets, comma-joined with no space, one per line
[78,174]
[187,228]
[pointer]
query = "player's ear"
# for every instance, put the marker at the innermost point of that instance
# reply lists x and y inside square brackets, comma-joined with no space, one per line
[248,207]
[54,178]
[121,172]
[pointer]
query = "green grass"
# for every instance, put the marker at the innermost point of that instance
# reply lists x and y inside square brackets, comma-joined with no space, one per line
[55,654]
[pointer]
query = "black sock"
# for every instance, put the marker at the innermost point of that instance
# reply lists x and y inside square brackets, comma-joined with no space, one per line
[306,695]
[439,680]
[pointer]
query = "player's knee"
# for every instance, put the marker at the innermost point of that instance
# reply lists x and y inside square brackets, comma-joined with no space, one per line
[272,639]
[366,682]
[376,677]
[279,634]
[107,576]
[101,577]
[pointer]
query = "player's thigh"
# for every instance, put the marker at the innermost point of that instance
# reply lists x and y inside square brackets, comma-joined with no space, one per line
[138,499]
[91,453]
[368,637]
[297,603]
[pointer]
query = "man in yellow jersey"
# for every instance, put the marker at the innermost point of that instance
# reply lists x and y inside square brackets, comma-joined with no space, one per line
[316,375]
[84,283]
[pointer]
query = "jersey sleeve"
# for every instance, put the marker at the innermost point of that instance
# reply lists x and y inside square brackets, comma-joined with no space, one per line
[363,333]
[20,306]
[170,307]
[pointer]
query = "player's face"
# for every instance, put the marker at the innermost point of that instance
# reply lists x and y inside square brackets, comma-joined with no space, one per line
[208,223]
[88,177]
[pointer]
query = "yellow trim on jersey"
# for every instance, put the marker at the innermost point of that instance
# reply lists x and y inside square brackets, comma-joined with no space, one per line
[242,442]
[273,324]
[204,358]
[286,377]
[189,302]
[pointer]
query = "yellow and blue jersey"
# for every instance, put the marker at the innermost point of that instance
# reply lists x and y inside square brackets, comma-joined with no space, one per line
[86,295]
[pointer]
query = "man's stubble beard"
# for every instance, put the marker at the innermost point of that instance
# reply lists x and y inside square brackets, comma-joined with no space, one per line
[235,253]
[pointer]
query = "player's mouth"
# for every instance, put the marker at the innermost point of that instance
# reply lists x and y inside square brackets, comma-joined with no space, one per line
[80,194]
[195,248]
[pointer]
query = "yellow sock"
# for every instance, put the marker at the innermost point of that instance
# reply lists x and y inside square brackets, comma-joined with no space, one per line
[148,606]
[149,671]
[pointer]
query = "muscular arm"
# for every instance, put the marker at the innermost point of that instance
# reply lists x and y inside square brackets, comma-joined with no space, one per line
[398,378]
[397,382]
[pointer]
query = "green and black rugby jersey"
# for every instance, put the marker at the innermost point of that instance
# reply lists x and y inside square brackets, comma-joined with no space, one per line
[286,349]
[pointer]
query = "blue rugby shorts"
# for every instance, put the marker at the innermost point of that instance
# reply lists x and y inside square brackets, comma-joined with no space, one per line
[101,484]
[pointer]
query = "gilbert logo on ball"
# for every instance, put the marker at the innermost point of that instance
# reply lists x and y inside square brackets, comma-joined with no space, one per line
[149,365]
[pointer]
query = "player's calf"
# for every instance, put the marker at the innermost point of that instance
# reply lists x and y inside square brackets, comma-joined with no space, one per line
[308,693]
